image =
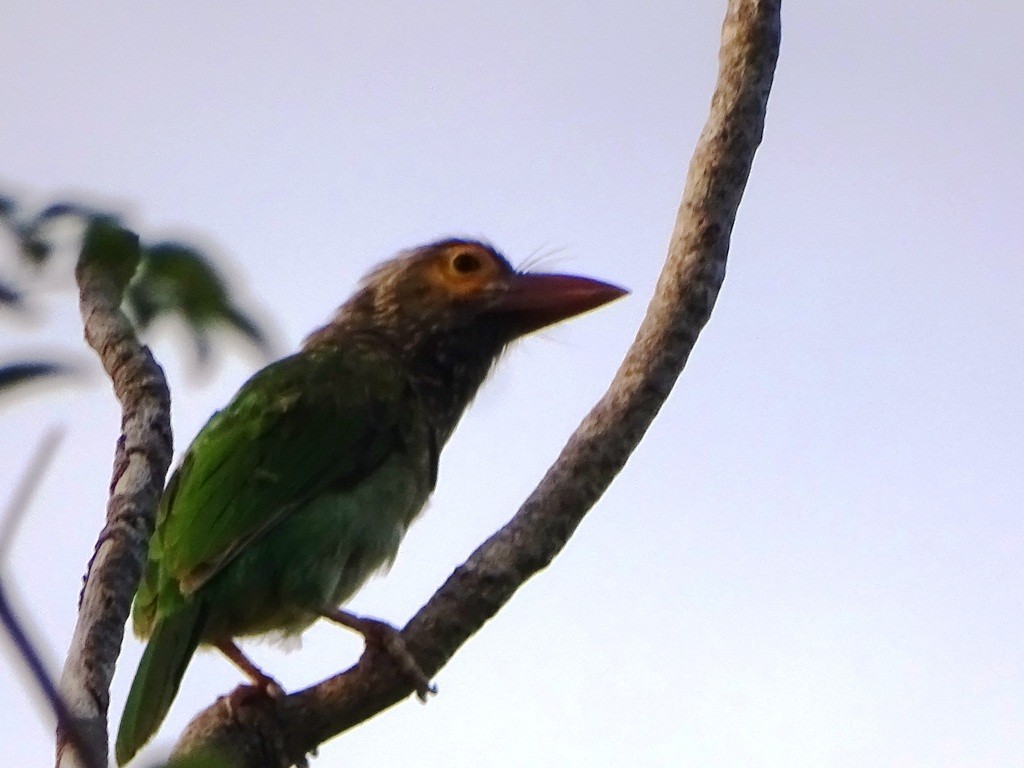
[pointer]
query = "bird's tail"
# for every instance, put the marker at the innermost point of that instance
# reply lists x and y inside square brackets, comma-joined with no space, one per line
[171,645]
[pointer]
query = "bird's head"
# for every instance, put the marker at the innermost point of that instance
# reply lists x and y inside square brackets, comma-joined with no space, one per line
[461,297]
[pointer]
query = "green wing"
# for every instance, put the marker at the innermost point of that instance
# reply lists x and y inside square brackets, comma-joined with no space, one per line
[310,423]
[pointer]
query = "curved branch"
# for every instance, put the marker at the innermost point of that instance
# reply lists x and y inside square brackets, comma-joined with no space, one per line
[263,735]
[141,459]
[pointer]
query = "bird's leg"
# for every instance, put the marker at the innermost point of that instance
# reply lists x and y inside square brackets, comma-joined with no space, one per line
[264,689]
[258,677]
[381,635]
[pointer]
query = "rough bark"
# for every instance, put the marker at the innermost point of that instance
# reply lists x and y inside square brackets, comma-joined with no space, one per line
[257,735]
[141,459]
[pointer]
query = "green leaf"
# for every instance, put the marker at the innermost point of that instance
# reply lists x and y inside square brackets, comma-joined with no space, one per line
[178,280]
[111,248]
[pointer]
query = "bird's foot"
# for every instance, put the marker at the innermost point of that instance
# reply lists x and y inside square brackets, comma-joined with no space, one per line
[260,679]
[381,636]
[388,639]
[256,708]
[245,696]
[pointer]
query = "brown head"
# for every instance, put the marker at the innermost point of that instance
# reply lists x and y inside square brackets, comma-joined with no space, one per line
[449,308]
[462,290]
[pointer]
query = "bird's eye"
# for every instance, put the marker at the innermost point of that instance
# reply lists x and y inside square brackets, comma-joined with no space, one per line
[465,262]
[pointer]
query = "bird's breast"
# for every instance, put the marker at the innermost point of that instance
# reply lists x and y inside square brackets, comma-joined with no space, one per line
[320,554]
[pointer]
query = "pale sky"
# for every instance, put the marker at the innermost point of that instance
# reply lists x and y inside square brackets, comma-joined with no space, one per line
[814,558]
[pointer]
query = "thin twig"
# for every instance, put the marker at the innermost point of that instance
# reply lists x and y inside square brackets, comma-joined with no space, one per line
[14,626]
[26,488]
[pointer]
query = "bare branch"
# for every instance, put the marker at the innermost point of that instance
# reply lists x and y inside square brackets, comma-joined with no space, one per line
[19,503]
[687,289]
[14,626]
[143,454]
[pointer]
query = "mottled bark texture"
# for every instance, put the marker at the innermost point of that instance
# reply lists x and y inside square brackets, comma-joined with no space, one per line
[257,735]
[109,257]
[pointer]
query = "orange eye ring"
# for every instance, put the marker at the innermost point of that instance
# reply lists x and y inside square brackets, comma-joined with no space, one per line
[464,270]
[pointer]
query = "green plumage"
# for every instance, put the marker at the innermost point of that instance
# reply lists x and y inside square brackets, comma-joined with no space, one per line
[173,641]
[304,485]
[286,502]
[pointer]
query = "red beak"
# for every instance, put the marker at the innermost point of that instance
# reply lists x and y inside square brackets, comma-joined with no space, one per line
[534,301]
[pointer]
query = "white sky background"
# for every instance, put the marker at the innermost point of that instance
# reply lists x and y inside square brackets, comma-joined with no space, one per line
[815,556]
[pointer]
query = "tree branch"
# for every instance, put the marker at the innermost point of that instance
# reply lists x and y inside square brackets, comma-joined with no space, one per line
[14,626]
[279,734]
[109,257]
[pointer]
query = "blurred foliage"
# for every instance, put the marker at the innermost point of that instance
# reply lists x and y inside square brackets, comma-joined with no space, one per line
[166,280]
[178,280]
[26,371]
[110,250]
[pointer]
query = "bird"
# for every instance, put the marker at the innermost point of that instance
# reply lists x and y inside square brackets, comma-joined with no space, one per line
[298,491]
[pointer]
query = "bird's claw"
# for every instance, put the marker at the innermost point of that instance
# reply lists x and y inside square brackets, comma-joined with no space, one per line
[250,695]
[389,639]
[381,636]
